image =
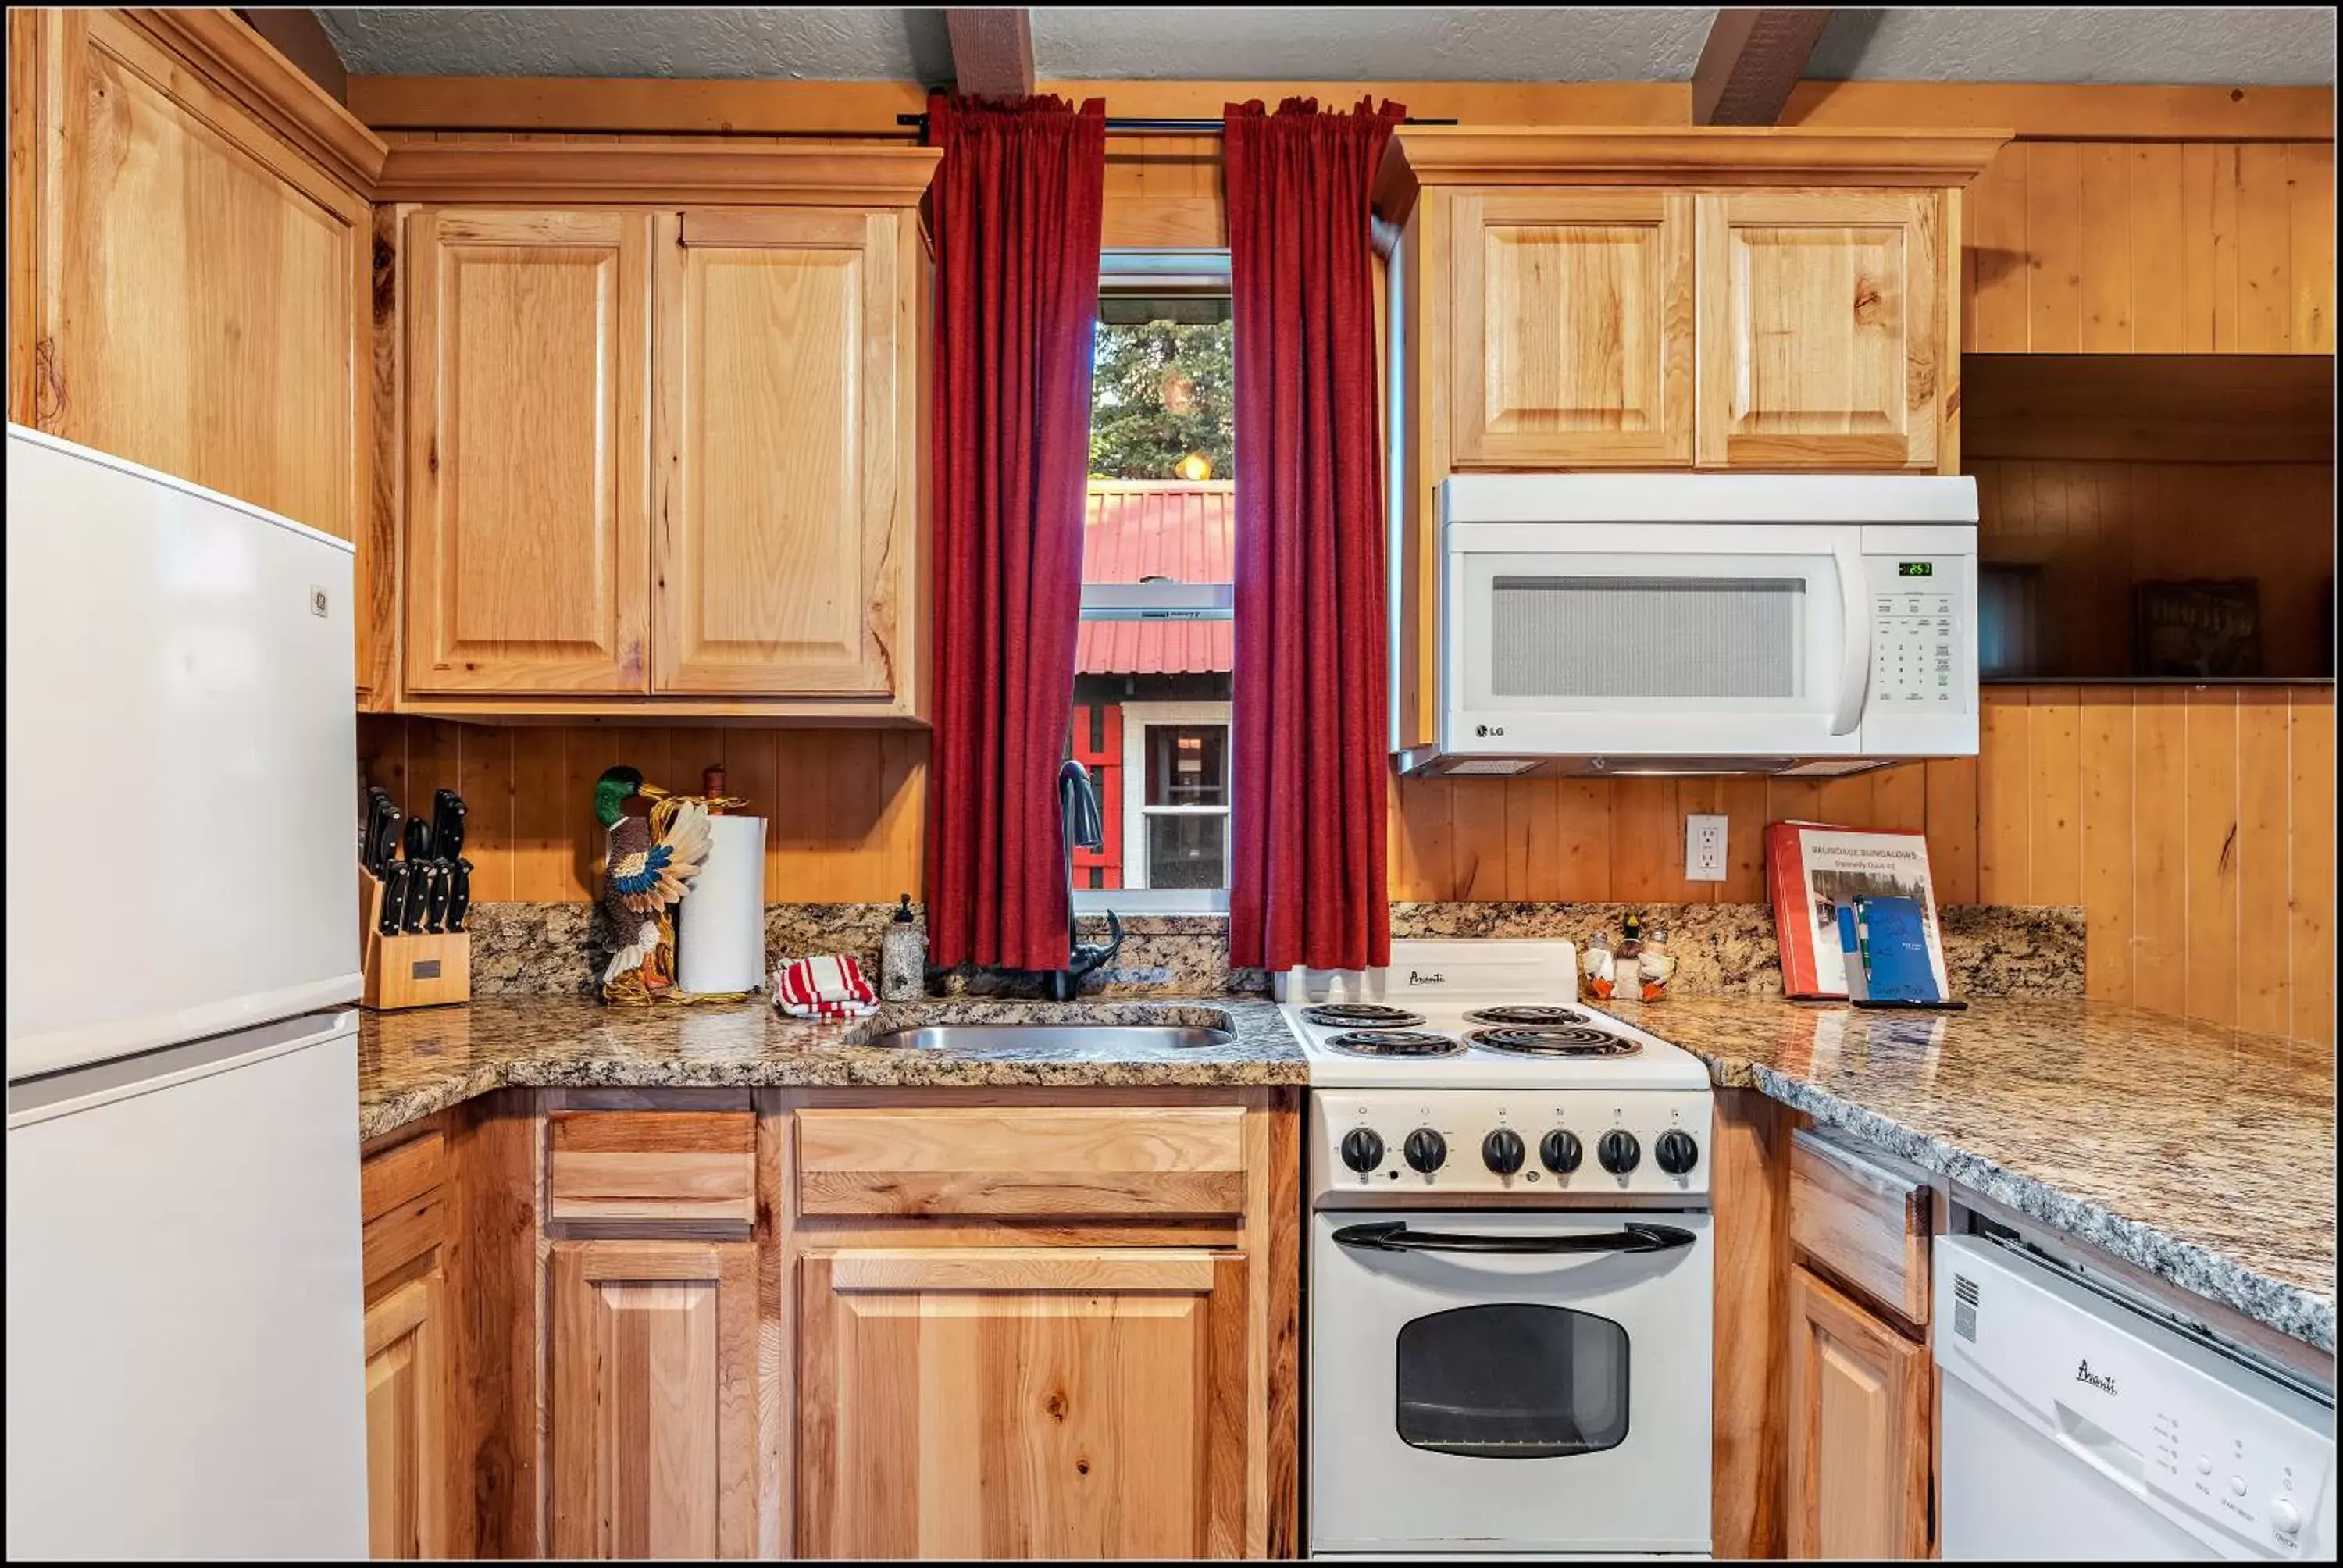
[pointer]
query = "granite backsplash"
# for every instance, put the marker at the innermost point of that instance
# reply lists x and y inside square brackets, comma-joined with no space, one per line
[553,949]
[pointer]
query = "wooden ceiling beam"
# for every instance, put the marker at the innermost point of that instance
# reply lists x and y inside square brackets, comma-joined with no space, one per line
[992,52]
[1751,60]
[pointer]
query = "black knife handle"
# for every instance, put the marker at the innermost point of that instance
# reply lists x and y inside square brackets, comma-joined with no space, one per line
[460,895]
[434,904]
[394,899]
[418,838]
[418,897]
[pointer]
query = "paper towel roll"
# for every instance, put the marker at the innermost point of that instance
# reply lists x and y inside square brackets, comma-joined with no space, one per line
[720,927]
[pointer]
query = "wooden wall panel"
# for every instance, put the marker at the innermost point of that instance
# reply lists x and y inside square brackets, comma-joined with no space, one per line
[2152,248]
[2095,528]
[2194,825]
[845,808]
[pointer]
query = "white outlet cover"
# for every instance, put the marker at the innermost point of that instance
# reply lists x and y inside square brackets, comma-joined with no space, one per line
[1703,847]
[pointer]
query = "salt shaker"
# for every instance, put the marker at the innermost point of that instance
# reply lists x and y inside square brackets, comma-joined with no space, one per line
[903,955]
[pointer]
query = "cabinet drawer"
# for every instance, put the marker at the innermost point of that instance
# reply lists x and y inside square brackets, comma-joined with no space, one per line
[1104,1160]
[1864,1217]
[654,1168]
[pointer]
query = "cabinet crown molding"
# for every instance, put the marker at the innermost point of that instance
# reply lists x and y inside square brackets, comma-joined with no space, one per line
[1422,156]
[881,175]
[218,43]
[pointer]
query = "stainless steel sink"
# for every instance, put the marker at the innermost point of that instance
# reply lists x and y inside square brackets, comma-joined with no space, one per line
[1057,1038]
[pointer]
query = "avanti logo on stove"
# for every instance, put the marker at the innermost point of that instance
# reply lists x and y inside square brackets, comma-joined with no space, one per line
[1416,978]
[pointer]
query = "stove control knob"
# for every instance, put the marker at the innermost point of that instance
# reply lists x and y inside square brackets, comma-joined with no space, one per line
[1619,1152]
[1426,1150]
[1560,1152]
[1501,1152]
[1676,1153]
[1362,1150]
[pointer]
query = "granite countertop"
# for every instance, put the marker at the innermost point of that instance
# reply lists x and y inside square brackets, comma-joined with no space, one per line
[415,1062]
[2203,1154]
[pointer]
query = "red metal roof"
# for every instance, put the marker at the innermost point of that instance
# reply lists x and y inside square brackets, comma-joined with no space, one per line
[1138,529]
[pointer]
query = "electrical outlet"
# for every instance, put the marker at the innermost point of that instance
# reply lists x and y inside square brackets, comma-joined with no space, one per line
[1704,847]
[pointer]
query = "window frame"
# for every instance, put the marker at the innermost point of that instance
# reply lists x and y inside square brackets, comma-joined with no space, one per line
[1136,717]
[1159,271]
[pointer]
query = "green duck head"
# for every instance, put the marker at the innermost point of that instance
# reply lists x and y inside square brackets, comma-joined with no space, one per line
[615,788]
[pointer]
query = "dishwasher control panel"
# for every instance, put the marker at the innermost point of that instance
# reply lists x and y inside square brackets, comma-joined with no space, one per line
[2228,1453]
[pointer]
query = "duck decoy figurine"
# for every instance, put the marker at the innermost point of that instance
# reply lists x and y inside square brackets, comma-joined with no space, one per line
[652,862]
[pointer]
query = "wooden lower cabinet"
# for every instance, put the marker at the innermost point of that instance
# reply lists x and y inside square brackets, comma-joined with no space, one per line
[411,1407]
[407,1372]
[1021,1401]
[1859,1426]
[652,1413]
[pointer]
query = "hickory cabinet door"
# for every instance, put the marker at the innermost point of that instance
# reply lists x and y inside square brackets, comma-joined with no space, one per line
[1859,1429]
[781,555]
[1821,330]
[1021,1401]
[527,493]
[202,288]
[1572,322]
[653,1407]
[407,1372]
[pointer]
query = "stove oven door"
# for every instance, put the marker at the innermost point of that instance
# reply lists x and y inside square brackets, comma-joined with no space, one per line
[1513,1381]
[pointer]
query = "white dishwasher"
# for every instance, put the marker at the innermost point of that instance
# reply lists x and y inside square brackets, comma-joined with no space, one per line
[2076,1425]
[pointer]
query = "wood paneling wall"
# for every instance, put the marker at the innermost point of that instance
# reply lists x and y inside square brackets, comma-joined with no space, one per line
[2152,248]
[2196,828]
[2096,527]
[845,808]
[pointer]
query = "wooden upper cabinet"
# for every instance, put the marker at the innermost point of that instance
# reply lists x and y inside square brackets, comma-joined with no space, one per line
[1821,330]
[652,1401]
[202,288]
[527,495]
[782,551]
[1860,1430]
[1572,328]
[1021,1401]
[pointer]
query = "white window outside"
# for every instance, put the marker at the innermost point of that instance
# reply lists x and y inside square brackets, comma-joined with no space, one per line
[1175,801]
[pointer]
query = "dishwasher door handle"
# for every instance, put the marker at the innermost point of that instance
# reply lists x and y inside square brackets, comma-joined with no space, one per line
[1393,1236]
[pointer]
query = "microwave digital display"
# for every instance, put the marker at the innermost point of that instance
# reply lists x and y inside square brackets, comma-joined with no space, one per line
[1915,568]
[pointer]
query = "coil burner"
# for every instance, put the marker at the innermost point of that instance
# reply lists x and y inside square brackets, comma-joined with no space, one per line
[1526,1017]
[1410,1042]
[1574,1041]
[1361,1015]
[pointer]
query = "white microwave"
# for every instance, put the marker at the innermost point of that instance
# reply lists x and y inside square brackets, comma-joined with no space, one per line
[1626,624]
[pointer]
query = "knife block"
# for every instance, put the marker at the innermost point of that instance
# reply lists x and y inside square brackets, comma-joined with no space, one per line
[413,969]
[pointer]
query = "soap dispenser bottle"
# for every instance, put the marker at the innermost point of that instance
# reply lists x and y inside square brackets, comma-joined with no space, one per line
[903,955]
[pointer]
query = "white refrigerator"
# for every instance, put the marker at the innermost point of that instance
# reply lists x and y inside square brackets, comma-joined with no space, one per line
[185,1373]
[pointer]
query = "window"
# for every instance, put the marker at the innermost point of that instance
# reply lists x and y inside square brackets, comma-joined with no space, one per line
[1153,662]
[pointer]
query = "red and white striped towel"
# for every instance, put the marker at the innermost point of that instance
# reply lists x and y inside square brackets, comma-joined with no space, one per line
[831,987]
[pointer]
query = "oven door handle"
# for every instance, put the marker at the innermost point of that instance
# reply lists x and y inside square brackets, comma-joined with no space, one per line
[1393,1236]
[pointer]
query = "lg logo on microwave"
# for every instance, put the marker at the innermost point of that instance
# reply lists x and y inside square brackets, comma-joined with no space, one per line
[1485,730]
[2082,1373]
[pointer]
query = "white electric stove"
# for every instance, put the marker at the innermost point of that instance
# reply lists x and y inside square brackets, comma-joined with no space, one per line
[1510,1262]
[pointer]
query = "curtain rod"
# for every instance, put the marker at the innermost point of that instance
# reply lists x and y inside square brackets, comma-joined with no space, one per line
[1145,127]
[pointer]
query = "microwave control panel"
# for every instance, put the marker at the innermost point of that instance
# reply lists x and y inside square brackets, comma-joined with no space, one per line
[1917,633]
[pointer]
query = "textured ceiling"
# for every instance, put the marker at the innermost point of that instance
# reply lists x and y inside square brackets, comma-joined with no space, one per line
[2266,46]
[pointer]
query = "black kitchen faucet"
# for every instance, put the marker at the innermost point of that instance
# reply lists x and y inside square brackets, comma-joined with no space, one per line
[1080,826]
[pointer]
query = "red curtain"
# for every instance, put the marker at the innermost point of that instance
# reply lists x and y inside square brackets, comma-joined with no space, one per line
[1311,732]
[1015,208]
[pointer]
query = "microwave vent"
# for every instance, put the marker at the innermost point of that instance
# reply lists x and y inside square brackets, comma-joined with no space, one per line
[1496,764]
[1831,767]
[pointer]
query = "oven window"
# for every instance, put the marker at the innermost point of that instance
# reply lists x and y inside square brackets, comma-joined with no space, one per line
[1513,1380]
